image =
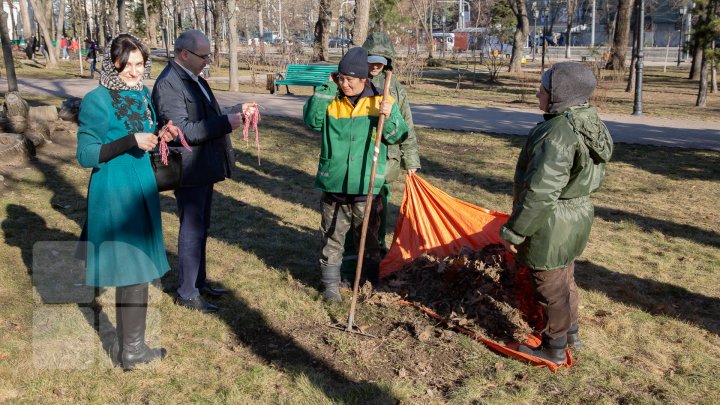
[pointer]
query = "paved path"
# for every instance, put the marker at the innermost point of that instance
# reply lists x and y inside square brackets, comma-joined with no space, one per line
[624,128]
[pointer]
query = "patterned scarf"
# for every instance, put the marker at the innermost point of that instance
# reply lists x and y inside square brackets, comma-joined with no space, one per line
[109,75]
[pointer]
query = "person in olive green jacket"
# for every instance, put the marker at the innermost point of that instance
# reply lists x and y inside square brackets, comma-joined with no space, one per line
[562,162]
[347,111]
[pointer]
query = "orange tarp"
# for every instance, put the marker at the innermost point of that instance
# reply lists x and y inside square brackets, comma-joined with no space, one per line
[433,222]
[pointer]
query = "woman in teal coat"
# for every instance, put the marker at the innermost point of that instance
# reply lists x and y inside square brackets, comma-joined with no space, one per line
[123,229]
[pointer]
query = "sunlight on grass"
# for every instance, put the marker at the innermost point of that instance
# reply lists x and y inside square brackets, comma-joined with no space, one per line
[647,280]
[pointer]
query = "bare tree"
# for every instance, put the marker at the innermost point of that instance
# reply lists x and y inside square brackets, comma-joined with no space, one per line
[362,19]
[59,34]
[217,10]
[424,13]
[112,17]
[322,32]
[122,18]
[25,18]
[7,52]
[621,37]
[45,29]
[13,26]
[233,43]
[522,29]
[149,38]
[571,7]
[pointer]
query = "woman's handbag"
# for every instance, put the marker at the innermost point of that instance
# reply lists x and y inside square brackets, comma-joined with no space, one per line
[168,176]
[167,163]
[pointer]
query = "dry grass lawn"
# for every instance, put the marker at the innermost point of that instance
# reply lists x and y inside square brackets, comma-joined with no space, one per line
[650,301]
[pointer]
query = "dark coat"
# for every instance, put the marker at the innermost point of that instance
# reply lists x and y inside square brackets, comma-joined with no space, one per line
[177,97]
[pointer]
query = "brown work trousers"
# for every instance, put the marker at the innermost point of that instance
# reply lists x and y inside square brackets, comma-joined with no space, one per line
[556,292]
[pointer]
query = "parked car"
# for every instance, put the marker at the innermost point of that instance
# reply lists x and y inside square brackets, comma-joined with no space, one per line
[339,42]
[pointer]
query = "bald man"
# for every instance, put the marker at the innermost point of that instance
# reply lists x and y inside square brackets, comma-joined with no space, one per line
[181,95]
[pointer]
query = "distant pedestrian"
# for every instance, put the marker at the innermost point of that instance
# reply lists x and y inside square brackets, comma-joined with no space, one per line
[64,47]
[92,58]
[30,45]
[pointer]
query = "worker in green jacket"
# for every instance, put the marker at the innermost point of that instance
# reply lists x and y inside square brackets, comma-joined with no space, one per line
[400,155]
[562,162]
[346,111]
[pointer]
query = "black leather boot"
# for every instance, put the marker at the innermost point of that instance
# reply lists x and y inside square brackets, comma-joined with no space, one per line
[331,283]
[133,312]
[116,347]
[551,349]
[573,338]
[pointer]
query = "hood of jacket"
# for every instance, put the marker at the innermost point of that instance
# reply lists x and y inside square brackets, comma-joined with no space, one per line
[585,121]
[378,43]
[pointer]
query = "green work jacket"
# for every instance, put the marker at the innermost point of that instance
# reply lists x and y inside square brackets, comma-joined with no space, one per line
[348,138]
[562,162]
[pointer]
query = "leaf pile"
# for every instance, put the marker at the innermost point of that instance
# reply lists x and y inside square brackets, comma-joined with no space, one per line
[479,290]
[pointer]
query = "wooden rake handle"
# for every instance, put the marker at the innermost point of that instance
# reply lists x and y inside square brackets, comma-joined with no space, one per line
[368,205]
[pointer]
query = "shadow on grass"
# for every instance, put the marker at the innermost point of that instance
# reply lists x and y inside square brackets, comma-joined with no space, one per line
[648,224]
[674,163]
[286,249]
[651,296]
[59,283]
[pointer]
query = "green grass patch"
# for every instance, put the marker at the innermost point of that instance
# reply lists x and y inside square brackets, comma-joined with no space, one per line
[648,287]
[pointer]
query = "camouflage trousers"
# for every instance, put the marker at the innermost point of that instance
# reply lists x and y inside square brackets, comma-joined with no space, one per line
[340,217]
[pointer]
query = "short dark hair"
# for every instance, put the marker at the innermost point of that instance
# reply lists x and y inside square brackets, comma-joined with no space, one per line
[121,47]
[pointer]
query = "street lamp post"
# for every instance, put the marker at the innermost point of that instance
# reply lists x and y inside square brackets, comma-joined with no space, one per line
[680,37]
[546,13]
[688,21]
[536,14]
[637,106]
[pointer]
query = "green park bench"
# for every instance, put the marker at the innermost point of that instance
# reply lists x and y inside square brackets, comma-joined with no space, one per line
[300,75]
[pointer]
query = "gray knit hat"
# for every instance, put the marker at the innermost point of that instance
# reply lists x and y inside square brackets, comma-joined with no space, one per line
[569,84]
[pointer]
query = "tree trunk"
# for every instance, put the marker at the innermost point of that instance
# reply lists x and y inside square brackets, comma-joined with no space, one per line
[61,28]
[122,19]
[45,30]
[696,65]
[217,30]
[233,42]
[7,53]
[13,27]
[196,21]
[631,78]
[622,32]
[571,5]
[362,18]
[322,32]
[713,72]
[25,18]
[702,92]
[148,24]
[261,29]
[112,17]
[101,21]
[522,29]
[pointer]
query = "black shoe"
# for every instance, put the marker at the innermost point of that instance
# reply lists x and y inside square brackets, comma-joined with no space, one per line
[210,291]
[198,304]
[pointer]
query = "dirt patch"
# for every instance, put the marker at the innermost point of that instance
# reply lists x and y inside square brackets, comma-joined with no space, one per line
[480,290]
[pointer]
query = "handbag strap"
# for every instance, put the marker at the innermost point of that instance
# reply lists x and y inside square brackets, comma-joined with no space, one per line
[164,150]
